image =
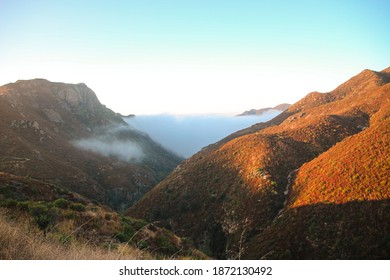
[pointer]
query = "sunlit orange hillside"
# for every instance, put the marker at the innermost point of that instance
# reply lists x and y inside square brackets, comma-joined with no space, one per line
[311,183]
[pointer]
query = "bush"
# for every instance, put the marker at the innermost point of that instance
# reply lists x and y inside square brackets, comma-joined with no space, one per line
[166,245]
[61,203]
[138,223]
[78,207]
[126,233]
[9,202]
[129,228]
[24,205]
[142,244]
[70,215]
[43,216]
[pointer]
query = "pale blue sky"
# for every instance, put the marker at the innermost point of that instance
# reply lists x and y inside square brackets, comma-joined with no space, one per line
[182,56]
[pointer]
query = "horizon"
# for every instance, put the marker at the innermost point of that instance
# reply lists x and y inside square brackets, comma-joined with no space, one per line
[193,57]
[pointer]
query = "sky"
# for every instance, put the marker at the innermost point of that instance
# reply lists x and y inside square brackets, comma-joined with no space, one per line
[193,56]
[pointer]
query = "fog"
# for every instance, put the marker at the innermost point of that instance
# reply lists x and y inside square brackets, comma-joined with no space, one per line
[186,135]
[109,145]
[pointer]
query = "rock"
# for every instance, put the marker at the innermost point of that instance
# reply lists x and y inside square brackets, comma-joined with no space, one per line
[13,123]
[361,127]
[35,125]
[53,116]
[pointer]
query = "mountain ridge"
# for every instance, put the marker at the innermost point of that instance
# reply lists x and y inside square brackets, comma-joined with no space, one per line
[237,187]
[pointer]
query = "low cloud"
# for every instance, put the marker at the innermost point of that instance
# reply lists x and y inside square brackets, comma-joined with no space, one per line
[186,135]
[110,146]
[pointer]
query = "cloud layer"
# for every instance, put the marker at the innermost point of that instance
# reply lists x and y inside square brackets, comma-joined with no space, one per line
[186,135]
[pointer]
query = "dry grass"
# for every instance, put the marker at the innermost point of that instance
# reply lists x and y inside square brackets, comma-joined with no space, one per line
[18,243]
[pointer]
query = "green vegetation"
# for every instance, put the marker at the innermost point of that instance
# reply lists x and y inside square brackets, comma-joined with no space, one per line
[61,203]
[43,215]
[78,207]
[19,243]
[68,223]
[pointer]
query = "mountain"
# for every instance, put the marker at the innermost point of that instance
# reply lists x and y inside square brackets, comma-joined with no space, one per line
[60,133]
[281,107]
[66,164]
[312,183]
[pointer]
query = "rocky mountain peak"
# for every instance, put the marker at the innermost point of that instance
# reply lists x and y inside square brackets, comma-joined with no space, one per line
[73,94]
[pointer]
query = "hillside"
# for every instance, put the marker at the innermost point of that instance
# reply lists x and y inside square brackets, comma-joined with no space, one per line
[39,220]
[62,134]
[311,183]
[66,161]
[338,203]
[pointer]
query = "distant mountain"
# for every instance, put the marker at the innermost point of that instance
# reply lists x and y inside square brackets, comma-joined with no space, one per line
[280,107]
[312,183]
[61,133]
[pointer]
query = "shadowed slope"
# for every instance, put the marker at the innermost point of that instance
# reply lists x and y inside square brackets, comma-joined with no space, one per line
[353,230]
[41,121]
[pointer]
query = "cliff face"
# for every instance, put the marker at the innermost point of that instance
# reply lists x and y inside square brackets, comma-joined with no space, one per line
[62,133]
[255,194]
[62,104]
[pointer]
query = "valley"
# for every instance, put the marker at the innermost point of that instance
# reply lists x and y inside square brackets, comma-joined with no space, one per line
[309,182]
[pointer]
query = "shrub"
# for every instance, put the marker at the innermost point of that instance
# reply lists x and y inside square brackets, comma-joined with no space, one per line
[24,205]
[139,223]
[9,202]
[142,244]
[61,203]
[43,216]
[126,233]
[70,215]
[166,245]
[78,207]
